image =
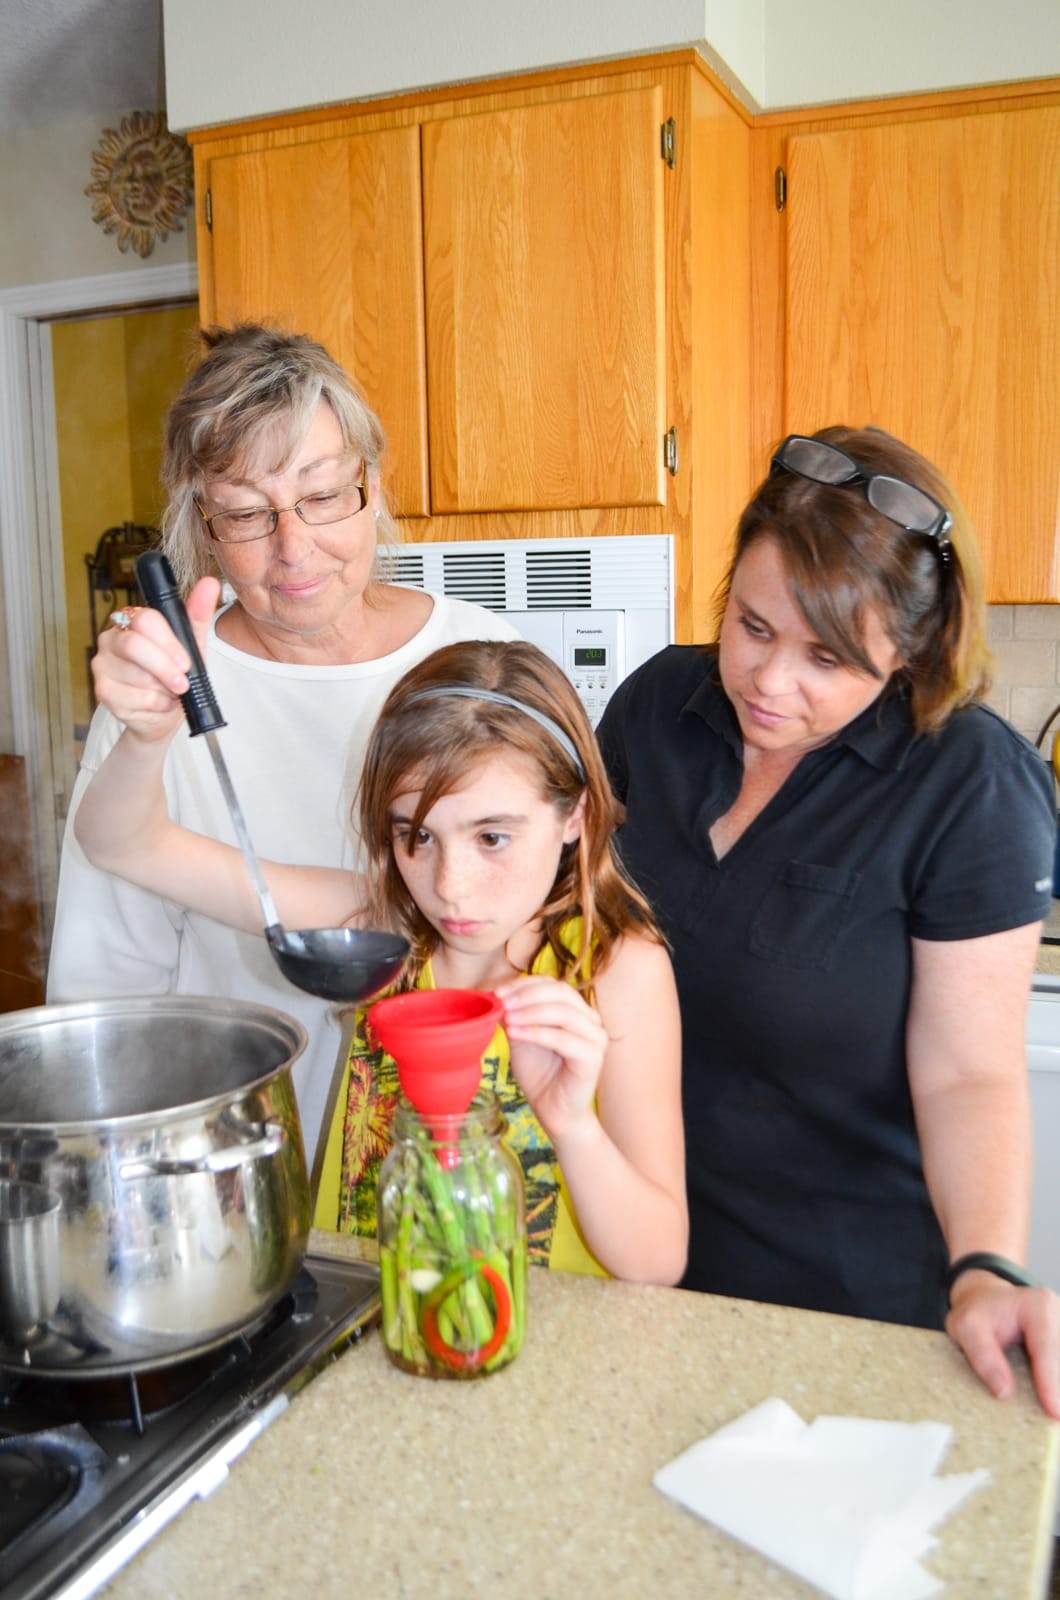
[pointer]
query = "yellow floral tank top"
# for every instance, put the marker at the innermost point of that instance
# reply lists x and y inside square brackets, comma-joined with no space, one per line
[359,1138]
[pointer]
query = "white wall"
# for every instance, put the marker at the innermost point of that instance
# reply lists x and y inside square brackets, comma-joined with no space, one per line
[733,40]
[824,50]
[47,232]
[230,59]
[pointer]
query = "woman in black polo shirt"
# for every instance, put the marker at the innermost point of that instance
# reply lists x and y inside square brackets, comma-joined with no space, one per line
[851,858]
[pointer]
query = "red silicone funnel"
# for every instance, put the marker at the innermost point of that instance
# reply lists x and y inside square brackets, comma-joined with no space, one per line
[437,1037]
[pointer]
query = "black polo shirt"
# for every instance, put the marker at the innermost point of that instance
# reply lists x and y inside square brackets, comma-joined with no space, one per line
[793,963]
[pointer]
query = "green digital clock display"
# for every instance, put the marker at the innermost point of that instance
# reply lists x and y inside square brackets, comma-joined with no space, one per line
[593,655]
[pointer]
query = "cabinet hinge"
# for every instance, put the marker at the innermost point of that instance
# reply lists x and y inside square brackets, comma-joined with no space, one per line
[780,188]
[670,451]
[208,209]
[669,141]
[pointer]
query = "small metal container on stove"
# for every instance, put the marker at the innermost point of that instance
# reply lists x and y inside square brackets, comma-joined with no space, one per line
[29,1257]
[154,1199]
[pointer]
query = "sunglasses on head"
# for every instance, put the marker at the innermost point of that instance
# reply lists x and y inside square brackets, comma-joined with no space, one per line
[900,502]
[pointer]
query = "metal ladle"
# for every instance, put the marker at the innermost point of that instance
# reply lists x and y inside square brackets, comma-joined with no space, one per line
[348,964]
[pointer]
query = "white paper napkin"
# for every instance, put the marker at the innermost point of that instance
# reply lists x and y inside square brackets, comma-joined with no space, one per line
[845,1502]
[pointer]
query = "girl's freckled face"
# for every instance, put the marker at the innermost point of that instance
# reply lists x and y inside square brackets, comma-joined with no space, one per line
[486,856]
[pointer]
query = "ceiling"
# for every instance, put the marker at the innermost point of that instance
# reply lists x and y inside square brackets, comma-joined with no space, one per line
[69,58]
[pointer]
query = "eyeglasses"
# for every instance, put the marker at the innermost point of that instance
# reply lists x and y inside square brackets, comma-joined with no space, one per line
[257,522]
[900,502]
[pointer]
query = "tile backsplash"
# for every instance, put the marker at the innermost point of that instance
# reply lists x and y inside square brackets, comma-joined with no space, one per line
[1026,645]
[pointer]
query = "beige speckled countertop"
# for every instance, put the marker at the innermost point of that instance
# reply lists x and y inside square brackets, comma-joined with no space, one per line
[1049,958]
[536,1481]
[1049,954]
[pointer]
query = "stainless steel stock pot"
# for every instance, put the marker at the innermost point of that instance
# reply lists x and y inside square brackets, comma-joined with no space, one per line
[154,1199]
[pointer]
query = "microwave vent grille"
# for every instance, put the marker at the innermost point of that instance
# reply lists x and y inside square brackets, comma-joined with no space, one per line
[604,573]
[476,575]
[559,580]
[406,566]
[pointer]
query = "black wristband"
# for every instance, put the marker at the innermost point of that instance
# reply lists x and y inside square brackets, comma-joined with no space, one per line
[986,1261]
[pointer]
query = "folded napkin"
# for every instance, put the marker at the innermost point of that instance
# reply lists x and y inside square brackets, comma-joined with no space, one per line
[844,1502]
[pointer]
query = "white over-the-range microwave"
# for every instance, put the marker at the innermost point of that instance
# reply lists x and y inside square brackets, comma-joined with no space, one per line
[598,607]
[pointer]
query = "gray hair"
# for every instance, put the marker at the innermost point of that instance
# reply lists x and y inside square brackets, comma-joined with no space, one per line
[249,405]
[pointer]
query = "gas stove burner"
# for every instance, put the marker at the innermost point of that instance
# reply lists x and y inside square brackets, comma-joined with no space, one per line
[91,1468]
[46,1477]
[59,1353]
[130,1399]
[134,1398]
[32,1483]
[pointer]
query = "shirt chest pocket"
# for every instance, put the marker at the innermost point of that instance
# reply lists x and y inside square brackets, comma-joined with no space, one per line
[803,915]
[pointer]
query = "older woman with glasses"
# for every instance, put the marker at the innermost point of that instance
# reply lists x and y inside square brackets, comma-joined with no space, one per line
[851,857]
[272,468]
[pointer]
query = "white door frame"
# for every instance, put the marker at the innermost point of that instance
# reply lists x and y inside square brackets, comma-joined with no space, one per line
[38,681]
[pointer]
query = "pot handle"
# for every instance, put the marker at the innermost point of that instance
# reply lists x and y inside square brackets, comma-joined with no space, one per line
[271,1138]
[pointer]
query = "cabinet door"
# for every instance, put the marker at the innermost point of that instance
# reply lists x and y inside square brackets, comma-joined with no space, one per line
[922,297]
[326,239]
[545,312]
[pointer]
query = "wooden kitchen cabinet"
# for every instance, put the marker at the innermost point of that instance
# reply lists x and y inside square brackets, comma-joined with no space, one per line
[534,300]
[325,238]
[923,290]
[547,305]
[544,275]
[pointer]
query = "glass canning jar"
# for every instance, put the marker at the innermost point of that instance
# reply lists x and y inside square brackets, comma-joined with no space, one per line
[452,1243]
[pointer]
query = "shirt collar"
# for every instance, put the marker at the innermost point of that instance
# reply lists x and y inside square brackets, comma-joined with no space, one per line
[882,734]
[709,701]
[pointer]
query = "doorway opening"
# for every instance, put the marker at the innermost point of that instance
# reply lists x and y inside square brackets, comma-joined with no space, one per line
[113,376]
[47,635]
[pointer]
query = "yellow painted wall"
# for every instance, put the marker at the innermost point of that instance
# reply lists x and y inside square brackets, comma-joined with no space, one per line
[159,348]
[92,420]
[114,377]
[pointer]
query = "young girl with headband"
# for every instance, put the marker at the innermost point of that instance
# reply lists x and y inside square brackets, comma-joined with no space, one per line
[487,825]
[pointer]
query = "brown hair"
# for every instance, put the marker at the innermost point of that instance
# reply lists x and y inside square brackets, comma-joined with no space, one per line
[432,745]
[250,402]
[841,556]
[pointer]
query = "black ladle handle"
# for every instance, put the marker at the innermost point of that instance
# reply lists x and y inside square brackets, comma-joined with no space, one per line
[159,589]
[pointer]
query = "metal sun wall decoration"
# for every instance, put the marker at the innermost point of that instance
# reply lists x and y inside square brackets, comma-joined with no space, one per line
[142,181]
